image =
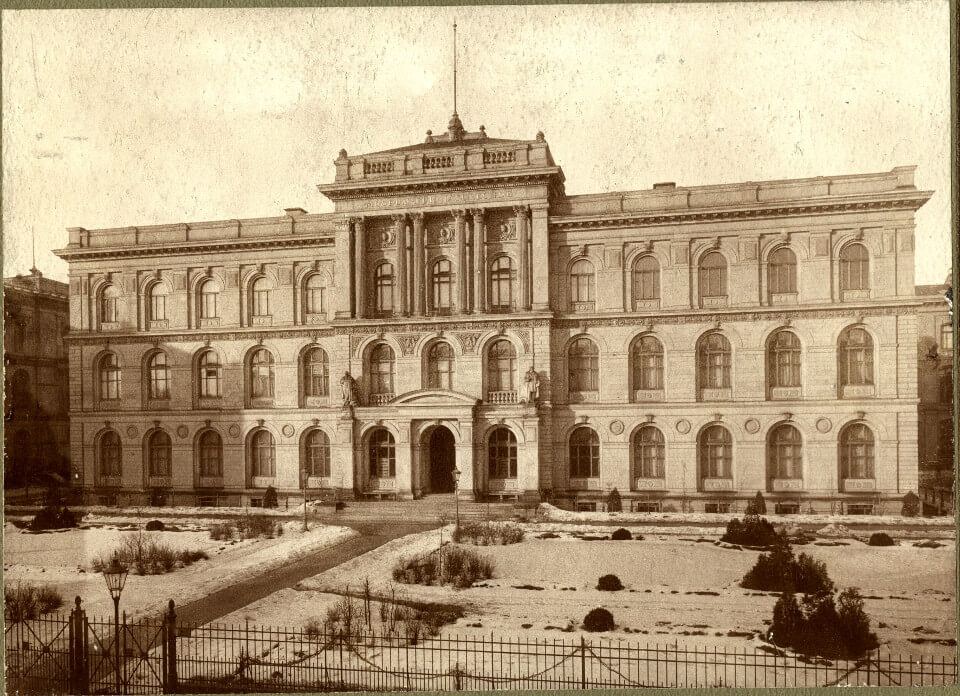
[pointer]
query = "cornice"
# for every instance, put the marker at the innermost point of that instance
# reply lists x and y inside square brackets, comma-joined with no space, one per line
[189,248]
[911,201]
[363,188]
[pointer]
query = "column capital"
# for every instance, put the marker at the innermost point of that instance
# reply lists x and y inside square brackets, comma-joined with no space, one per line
[521,209]
[357,220]
[398,218]
[417,216]
[458,214]
[540,207]
[477,212]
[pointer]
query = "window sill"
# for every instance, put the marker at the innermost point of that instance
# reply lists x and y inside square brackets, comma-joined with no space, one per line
[649,484]
[318,482]
[158,324]
[261,402]
[646,304]
[109,482]
[720,301]
[381,484]
[209,322]
[717,394]
[261,481]
[640,395]
[266,320]
[858,485]
[850,295]
[783,298]
[209,402]
[210,482]
[786,484]
[316,319]
[784,393]
[158,404]
[109,325]
[159,482]
[583,396]
[496,485]
[108,404]
[857,391]
[716,484]
[583,307]
[315,401]
[585,484]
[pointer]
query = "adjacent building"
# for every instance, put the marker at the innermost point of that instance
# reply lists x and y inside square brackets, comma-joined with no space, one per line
[686,345]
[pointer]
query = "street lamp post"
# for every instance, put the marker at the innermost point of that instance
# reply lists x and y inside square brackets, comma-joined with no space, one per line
[115,576]
[305,476]
[456,496]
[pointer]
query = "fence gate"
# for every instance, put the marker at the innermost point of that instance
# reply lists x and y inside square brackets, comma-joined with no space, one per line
[39,659]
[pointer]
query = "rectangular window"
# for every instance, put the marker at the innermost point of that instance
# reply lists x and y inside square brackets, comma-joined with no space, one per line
[787,508]
[210,381]
[646,507]
[261,303]
[315,300]
[946,338]
[208,305]
[717,508]
[158,307]
[109,309]
[859,509]
[646,284]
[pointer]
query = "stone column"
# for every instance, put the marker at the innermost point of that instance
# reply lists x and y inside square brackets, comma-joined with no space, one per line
[520,213]
[359,251]
[462,271]
[418,264]
[399,228]
[478,260]
[540,258]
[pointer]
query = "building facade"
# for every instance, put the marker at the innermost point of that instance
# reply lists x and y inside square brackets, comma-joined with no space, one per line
[36,433]
[688,346]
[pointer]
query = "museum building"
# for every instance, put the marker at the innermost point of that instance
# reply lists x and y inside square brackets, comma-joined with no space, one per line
[688,346]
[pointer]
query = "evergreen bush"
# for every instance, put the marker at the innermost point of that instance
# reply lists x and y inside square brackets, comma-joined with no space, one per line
[819,626]
[780,571]
[614,504]
[598,619]
[911,505]
[752,531]
[622,535]
[609,583]
[881,539]
[270,497]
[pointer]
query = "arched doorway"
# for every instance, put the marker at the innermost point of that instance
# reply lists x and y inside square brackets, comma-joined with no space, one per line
[442,460]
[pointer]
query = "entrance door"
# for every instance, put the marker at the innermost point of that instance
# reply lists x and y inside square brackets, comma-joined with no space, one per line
[442,460]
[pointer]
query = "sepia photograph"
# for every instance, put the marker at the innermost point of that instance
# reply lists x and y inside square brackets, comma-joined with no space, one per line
[478,348]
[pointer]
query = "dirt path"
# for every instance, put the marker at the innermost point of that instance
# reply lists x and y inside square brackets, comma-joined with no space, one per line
[234,597]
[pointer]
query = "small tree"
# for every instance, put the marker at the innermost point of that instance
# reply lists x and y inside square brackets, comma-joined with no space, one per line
[270,497]
[614,503]
[911,505]
[757,506]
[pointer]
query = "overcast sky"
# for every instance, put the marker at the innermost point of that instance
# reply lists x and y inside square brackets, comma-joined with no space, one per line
[115,118]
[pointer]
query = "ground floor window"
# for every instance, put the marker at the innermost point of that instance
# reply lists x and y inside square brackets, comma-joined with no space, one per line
[502,454]
[383,455]
[720,508]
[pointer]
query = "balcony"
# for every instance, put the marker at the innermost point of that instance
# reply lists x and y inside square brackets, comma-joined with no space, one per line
[502,397]
[716,484]
[716,394]
[640,395]
[785,393]
[860,485]
[585,484]
[381,399]
[649,484]
[779,485]
[857,391]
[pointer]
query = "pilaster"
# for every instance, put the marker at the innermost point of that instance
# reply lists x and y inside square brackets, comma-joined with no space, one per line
[540,261]
[418,262]
[479,260]
[359,251]
[400,228]
[463,273]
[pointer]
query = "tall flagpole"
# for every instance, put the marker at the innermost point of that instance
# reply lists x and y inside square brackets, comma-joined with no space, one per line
[454,66]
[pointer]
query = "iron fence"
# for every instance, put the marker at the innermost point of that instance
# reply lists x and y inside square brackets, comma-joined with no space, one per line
[73,654]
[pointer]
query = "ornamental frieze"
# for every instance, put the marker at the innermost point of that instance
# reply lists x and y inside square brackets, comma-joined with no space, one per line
[511,189]
[408,342]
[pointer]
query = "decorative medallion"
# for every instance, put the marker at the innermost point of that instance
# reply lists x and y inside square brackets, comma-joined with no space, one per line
[616,427]
[446,234]
[182,431]
[234,430]
[824,425]
[752,426]
[683,426]
[288,430]
[507,231]
[132,431]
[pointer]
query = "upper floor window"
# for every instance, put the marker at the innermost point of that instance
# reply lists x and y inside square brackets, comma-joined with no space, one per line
[441,280]
[381,369]
[648,453]
[946,387]
[713,362]
[208,299]
[316,373]
[584,453]
[646,278]
[783,360]
[15,334]
[383,287]
[210,454]
[502,454]
[316,454]
[315,295]
[946,338]
[501,284]
[158,302]
[109,370]
[440,364]
[110,458]
[782,272]
[856,452]
[109,301]
[382,454]
[856,357]
[158,450]
[854,267]
[713,275]
[583,362]
[158,382]
[262,454]
[785,453]
[209,374]
[261,374]
[647,359]
[581,281]
[715,452]
[260,296]
[501,366]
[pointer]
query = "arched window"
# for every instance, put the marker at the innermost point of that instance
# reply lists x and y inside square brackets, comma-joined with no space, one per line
[110,454]
[109,300]
[158,453]
[647,361]
[856,357]
[854,267]
[782,272]
[381,370]
[501,295]
[584,454]
[383,456]
[260,297]
[316,454]
[441,280]
[646,278]
[785,453]
[581,281]
[856,452]
[713,275]
[261,374]
[501,367]
[783,360]
[109,370]
[583,363]
[158,302]
[262,456]
[383,287]
[713,362]
[648,453]
[208,299]
[440,366]
[316,374]
[715,453]
[209,374]
[158,379]
[314,295]
[502,454]
[210,454]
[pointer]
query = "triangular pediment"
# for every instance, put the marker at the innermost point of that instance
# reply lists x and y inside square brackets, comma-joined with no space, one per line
[434,397]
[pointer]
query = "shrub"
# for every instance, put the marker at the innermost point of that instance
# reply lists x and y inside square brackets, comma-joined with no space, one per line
[154,526]
[752,531]
[222,531]
[270,497]
[819,626]
[146,555]
[622,535]
[757,506]
[486,533]
[614,504]
[598,619]
[53,517]
[911,505]
[881,539]
[25,602]
[609,583]
[780,571]
[458,567]
[189,557]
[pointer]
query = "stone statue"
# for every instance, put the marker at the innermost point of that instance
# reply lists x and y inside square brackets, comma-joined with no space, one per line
[348,389]
[532,383]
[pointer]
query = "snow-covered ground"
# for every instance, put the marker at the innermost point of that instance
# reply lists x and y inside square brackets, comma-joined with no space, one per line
[62,559]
